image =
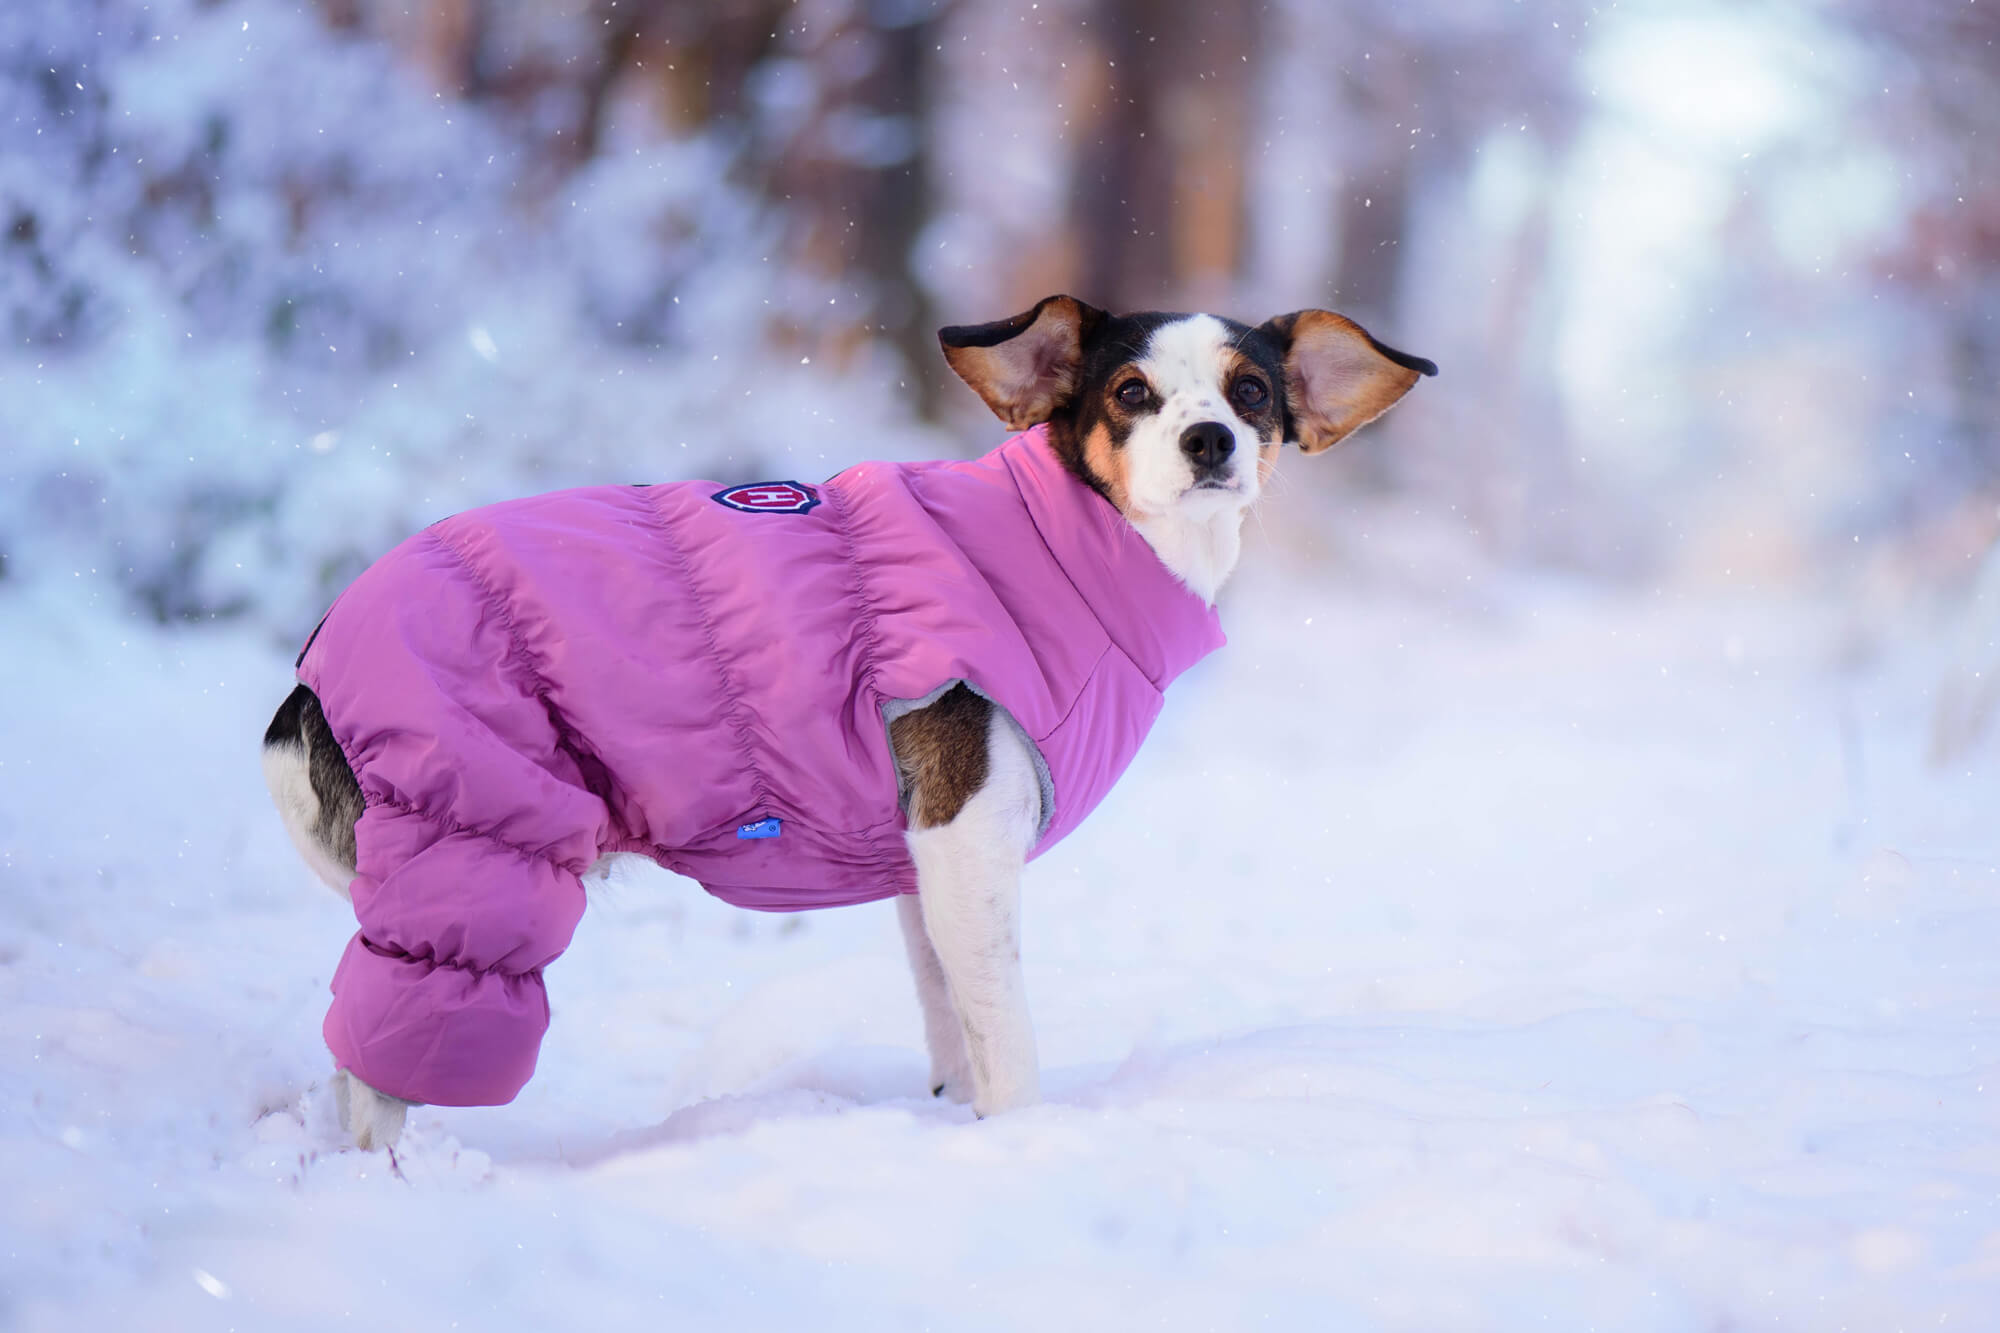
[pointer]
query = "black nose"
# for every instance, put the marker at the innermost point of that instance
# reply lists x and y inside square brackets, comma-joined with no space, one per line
[1208,445]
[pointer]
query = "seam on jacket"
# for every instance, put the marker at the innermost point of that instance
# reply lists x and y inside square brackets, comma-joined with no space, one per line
[1125,531]
[524,659]
[1090,677]
[871,641]
[450,825]
[518,655]
[871,646]
[732,694]
[398,954]
[1110,647]
[1035,523]
[916,479]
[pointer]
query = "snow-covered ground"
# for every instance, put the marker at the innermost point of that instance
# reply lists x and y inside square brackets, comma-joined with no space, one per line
[1528,958]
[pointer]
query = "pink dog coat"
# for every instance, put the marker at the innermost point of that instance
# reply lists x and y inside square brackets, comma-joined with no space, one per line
[698,673]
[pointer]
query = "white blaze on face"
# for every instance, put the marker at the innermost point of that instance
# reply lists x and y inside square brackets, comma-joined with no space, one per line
[1186,362]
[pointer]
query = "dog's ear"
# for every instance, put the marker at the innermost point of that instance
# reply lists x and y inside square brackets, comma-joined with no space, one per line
[1337,378]
[1025,367]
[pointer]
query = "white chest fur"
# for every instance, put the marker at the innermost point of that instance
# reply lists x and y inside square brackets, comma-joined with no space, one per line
[1201,549]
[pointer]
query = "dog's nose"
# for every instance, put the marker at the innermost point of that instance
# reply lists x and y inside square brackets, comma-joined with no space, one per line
[1208,445]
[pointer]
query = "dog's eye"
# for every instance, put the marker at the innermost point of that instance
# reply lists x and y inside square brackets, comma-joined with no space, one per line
[1133,392]
[1250,392]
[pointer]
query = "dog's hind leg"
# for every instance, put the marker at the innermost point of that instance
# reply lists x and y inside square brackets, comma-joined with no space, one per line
[975,810]
[319,801]
[313,788]
[373,1119]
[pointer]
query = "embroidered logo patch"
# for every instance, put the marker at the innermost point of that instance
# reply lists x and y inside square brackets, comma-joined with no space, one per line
[763,828]
[769,497]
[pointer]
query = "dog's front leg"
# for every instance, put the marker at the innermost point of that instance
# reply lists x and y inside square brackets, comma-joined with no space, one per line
[969,883]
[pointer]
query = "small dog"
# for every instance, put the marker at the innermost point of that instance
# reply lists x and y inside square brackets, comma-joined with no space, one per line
[905,681]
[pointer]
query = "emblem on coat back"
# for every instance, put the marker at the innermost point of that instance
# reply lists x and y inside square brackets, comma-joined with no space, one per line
[769,497]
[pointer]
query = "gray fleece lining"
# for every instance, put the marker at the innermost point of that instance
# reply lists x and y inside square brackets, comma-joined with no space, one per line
[895,708]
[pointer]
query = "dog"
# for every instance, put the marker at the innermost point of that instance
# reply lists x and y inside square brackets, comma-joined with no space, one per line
[902,682]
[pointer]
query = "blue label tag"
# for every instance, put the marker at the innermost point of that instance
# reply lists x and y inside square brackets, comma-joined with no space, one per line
[763,828]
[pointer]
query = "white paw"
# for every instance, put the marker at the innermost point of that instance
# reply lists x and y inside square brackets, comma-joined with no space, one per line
[951,1074]
[374,1119]
[1008,1094]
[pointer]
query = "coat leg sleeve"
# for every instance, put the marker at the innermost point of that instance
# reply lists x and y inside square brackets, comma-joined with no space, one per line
[439,997]
[478,821]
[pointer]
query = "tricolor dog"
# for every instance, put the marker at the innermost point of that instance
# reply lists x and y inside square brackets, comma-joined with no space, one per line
[901,682]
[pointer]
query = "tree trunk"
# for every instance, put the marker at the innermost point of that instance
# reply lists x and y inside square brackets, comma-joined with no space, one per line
[1123,190]
[895,201]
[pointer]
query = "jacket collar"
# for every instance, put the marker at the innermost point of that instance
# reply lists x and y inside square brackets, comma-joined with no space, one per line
[1144,607]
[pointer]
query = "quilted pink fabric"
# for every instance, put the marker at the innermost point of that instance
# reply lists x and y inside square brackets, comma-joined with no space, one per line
[667,670]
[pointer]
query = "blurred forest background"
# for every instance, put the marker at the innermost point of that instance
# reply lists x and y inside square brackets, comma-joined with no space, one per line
[1713,286]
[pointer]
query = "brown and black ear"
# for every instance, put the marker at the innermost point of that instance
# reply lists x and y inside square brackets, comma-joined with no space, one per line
[1025,367]
[1338,378]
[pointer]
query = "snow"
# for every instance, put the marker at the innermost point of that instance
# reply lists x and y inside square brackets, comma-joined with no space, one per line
[1514,956]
